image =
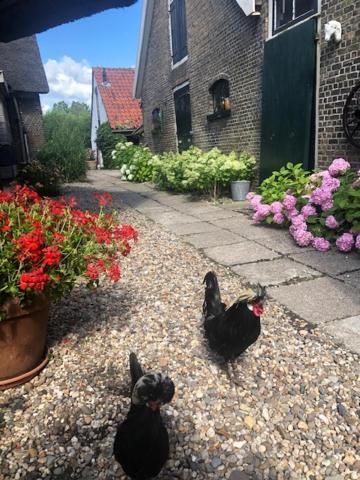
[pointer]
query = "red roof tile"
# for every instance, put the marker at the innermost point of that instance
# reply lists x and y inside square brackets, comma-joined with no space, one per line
[117,95]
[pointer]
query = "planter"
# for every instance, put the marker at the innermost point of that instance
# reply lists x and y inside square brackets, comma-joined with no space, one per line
[23,341]
[91,164]
[239,189]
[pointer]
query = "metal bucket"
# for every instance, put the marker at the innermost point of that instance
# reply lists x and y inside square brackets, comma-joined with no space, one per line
[239,190]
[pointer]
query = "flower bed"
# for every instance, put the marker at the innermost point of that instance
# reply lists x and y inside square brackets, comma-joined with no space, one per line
[190,171]
[319,209]
[47,245]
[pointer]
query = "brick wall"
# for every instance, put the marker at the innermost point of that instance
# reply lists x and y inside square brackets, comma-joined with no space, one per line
[31,114]
[222,42]
[339,72]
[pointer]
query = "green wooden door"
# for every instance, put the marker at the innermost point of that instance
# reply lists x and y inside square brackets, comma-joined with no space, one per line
[288,104]
[183,117]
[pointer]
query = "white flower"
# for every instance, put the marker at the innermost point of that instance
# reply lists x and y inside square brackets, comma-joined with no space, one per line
[130,177]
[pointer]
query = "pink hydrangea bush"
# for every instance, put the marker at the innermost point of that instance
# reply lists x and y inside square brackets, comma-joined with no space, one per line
[326,212]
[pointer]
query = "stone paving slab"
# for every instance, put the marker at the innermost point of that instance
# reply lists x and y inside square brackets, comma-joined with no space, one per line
[239,253]
[346,331]
[280,241]
[251,231]
[216,214]
[174,200]
[196,209]
[192,228]
[320,300]
[352,278]
[331,262]
[235,223]
[275,272]
[171,217]
[211,239]
[153,207]
[132,199]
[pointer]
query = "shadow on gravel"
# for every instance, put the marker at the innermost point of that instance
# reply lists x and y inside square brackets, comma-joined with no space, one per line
[84,312]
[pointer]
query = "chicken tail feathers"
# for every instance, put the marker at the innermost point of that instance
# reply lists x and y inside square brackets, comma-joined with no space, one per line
[136,371]
[212,305]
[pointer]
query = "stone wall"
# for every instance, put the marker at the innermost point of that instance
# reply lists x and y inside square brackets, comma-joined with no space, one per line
[31,114]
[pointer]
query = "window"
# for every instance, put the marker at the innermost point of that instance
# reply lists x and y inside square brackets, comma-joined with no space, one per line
[288,12]
[178,30]
[220,93]
[156,121]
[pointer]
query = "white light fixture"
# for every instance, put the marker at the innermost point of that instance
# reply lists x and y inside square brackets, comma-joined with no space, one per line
[250,7]
[333,31]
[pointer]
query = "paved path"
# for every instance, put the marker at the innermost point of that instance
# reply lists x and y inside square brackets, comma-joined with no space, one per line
[322,288]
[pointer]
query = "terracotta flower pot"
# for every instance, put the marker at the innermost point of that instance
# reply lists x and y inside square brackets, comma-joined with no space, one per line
[23,341]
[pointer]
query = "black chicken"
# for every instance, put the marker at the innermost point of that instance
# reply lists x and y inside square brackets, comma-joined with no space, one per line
[142,444]
[231,331]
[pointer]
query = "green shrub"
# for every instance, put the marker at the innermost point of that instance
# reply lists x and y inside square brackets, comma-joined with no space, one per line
[290,178]
[66,141]
[205,172]
[106,141]
[42,178]
[134,162]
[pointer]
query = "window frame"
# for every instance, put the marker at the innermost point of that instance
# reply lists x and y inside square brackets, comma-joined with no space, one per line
[219,112]
[156,129]
[294,20]
[184,59]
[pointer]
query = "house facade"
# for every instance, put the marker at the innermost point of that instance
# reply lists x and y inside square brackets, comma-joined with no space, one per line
[22,79]
[253,75]
[112,101]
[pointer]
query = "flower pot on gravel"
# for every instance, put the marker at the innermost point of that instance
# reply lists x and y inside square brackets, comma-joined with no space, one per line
[47,246]
[239,190]
[23,341]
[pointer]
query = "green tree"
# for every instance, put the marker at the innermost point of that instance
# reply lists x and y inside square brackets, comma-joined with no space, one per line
[106,141]
[79,108]
[61,107]
[67,135]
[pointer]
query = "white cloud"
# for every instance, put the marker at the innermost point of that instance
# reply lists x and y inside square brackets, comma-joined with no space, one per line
[68,81]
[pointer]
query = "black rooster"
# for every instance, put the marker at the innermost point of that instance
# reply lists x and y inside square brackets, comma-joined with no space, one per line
[231,331]
[142,444]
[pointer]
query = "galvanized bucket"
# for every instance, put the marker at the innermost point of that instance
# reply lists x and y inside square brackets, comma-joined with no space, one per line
[239,189]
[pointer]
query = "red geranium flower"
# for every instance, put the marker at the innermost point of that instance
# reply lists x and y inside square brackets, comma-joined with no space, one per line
[52,255]
[126,232]
[35,279]
[114,272]
[92,271]
[103,198]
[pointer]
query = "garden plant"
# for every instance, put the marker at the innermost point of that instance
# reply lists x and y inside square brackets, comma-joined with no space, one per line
[319,209]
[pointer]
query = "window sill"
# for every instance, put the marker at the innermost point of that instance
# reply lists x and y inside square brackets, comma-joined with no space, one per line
[179,62]
[219,115]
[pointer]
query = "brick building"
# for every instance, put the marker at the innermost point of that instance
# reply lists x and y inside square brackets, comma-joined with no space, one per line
[254,75]
[22,80]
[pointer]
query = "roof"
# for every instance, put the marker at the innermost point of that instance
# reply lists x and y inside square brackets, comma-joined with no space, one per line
[116,93]
[249,7]
[146,20]
[21,18]
[22,66]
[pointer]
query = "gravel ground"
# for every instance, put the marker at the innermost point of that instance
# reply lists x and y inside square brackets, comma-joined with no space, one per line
[293,413]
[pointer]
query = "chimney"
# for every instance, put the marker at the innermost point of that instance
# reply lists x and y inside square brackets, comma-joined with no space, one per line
[105,80]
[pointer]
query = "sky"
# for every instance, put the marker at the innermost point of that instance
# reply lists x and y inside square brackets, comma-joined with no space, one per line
[108,39]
